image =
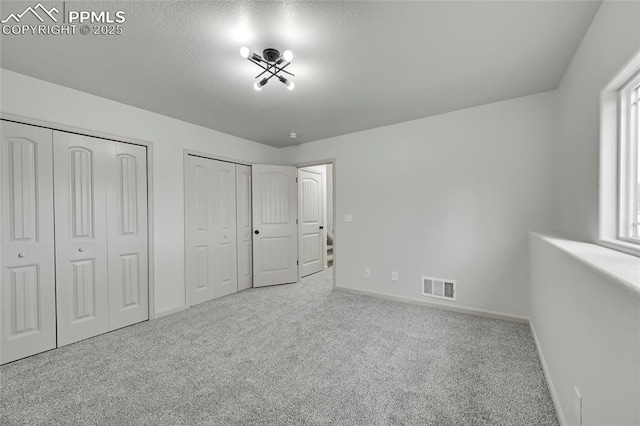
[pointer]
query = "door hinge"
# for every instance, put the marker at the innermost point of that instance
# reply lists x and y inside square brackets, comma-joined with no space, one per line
[296,221]
[297,262]
[296,180]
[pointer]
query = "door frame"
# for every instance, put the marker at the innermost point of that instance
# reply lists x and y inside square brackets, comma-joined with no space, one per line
[333,162]
[185,154]
[115,138]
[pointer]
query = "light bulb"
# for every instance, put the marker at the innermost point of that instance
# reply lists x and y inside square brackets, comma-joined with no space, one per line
[287,55]
[290,85]
[258,84]
[244,52]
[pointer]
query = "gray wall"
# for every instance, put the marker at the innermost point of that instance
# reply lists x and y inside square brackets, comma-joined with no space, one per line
[611,41]
[588,328]
[587,323]
[449,196]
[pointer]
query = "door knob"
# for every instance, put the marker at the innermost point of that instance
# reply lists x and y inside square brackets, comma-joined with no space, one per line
[256,232]
[81,249]
[22,254]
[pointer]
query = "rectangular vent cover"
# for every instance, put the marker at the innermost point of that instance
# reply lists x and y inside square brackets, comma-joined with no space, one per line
[439,287]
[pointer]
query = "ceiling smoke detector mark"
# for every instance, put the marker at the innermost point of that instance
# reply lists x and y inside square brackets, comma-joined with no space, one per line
[439,288]
[293,135]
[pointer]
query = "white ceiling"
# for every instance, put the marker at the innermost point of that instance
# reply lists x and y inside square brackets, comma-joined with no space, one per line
[358,65]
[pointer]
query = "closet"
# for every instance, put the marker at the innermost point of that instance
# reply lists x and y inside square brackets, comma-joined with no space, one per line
[218,241]
[90,276]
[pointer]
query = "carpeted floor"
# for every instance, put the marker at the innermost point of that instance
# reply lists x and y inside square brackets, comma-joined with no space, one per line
[293,354]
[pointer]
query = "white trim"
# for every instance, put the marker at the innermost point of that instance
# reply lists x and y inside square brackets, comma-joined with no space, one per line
[71,129]
[610,154]
[101,135]
[547,376]
[169,311]
[620,268]
[150,232]
[620,245]
[627,161]
[457,308]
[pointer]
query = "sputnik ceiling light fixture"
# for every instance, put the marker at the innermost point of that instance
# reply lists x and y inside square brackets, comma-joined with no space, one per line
[271,62]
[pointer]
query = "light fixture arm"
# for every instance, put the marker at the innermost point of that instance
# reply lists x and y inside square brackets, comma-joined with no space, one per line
[266,69]
[270,63]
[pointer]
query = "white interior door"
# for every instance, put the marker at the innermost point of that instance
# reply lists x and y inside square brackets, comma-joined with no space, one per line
[243,214]
[275,251]
[127,238]
[311,221]
[81,236]
[211,257]
[27,323]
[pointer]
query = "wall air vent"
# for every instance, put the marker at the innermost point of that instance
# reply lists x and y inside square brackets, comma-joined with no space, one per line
[439,288]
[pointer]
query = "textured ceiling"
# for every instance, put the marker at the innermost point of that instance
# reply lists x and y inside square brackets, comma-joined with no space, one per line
[358,65]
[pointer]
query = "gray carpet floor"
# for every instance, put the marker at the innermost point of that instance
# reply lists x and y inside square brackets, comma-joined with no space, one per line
[293,354]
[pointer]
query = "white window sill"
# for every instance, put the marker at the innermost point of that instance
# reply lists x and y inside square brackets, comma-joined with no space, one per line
[623,246]
[621,267]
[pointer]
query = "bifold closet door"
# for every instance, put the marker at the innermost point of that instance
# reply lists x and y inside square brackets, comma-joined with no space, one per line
[211,257]
[101,235]
[27,323]
[243,203]
[81,236]
[127,238]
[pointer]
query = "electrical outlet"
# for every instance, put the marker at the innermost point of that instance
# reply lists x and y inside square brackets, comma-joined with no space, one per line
[367,272]
[394,276]
[577,406]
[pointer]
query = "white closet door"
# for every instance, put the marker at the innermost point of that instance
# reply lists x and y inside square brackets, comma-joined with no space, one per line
[275,237]
[27,322]
[311,221]
[199,230]
[127,234]
[211,256]
[81,236]
[243,214]
[224,210]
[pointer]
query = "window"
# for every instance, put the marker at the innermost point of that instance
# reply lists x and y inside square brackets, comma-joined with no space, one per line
[619,194]
[629,164]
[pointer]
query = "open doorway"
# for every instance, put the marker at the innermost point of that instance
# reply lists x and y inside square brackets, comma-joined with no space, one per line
[316,234]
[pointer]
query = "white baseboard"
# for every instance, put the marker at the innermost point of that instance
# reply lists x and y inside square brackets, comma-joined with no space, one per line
[169,311]
[547,376]
[461,309]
